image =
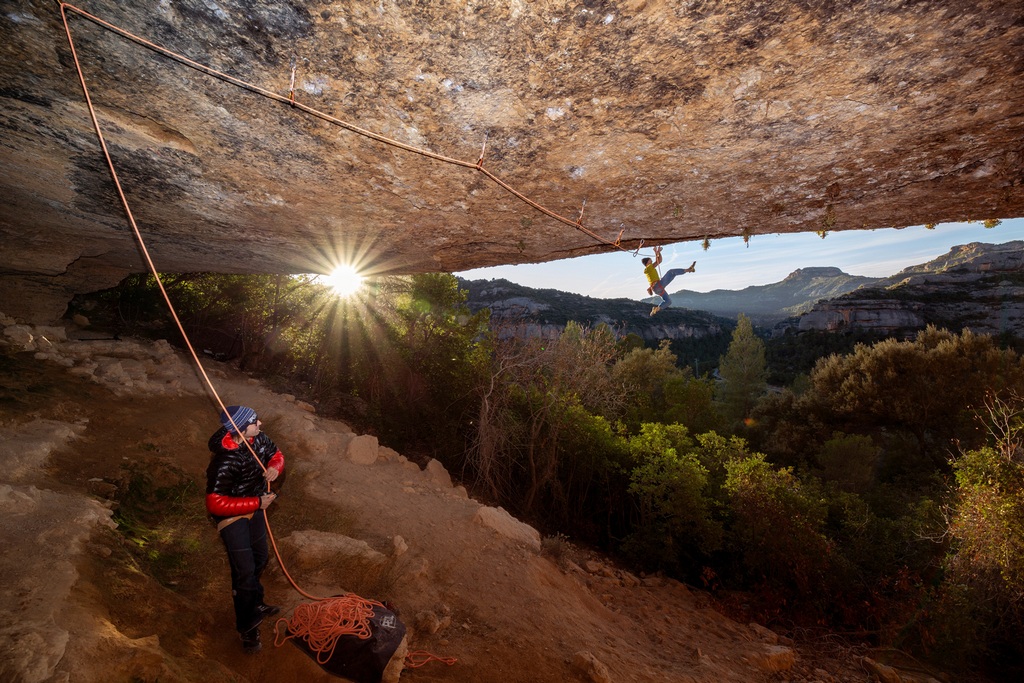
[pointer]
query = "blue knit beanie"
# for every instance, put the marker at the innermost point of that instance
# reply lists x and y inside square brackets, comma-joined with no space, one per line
[242,416]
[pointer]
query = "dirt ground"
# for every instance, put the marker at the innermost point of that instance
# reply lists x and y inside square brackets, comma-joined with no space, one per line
[135,611]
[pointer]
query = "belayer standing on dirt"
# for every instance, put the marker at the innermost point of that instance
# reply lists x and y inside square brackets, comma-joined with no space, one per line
[237,495]
[657,282]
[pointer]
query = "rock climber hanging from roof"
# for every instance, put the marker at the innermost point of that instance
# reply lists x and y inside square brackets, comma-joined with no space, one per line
[658,282]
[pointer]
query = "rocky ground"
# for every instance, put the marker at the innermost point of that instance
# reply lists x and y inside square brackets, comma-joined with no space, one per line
[83,422]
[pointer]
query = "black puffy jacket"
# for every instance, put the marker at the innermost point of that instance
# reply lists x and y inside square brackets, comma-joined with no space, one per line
[234,481]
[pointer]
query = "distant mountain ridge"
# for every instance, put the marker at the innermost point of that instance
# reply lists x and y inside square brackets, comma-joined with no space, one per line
[766,304]
[977,285]
[517,310]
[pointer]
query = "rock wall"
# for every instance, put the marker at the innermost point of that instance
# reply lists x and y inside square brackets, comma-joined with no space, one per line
[669,121]
[975,286]
[881,316]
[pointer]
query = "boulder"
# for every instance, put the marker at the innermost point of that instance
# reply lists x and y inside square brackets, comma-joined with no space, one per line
[437,474]
[311,549]
[775,658]
[362,450]
[506,525]
[591,667]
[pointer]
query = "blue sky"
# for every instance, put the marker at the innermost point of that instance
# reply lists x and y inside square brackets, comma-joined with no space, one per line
[729,264]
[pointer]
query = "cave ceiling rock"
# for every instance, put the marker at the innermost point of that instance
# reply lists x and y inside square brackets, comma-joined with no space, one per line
[670,121]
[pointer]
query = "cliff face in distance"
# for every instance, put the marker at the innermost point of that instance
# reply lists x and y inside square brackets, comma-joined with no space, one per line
[522,311]
[975,286]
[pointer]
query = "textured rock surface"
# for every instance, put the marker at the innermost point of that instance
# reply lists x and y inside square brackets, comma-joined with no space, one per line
[672,120]
[39,563]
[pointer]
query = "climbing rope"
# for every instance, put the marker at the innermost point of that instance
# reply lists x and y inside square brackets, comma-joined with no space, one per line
[156,275]
[320,624]
[293,103]
[338,616]
[418,658]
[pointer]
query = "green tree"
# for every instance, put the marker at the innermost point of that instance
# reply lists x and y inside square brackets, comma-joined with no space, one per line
[538,394]
[777,526]
[690,401]
[928,386]
[674,526]
[743,371]
[654,389]
[790,428]
[640,376]
[429,356]
[591,491]
[850,461]
[983,597]
[574,372]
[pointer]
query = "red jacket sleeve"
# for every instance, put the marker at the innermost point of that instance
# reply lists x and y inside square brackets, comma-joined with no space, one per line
[229,506]
[277,462]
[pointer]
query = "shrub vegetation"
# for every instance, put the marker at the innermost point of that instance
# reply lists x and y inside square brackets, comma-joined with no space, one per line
[881,491]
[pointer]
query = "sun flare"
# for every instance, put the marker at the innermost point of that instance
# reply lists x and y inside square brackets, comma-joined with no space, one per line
[344,280]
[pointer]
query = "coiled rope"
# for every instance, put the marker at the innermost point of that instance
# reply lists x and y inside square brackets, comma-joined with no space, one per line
[323,622]
[320,624]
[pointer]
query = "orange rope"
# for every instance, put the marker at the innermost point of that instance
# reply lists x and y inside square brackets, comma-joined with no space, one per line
[323,623]
[320,624]
[325,620]
[418,658]
[156,275]
[291,102]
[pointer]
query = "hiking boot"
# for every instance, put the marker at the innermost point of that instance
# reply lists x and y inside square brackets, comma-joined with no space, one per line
[692,268]
[251,640]
[655,310]
[267,610]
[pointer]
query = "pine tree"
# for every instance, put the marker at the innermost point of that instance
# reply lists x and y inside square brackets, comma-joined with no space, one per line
[743,370]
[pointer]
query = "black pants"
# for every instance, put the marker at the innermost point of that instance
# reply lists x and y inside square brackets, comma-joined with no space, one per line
[246,543]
